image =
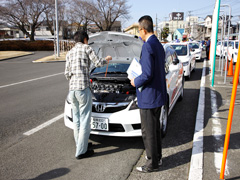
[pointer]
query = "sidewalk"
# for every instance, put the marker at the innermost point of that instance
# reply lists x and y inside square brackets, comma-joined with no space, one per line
[4,55]
[52,58]
[217,103]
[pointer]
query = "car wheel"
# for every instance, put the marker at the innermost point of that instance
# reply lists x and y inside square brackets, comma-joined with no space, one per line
[164,120]
[182,91]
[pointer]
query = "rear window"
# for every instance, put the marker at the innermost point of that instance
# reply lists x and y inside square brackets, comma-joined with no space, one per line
[181,50]
[195,45]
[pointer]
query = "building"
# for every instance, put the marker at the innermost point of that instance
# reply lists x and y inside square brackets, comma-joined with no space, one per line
[178,34]
[133,29]
[8,31]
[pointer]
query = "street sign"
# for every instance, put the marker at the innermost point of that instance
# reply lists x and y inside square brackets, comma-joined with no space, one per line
[176,16]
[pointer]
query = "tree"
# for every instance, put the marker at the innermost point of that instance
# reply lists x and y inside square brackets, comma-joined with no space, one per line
[165,33]
[26,14]
[80,13]
[105,12]
[50,16]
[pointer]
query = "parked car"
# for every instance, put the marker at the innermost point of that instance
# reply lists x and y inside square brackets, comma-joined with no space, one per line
[186,56]
[196,48]
[115,109]
[233,50]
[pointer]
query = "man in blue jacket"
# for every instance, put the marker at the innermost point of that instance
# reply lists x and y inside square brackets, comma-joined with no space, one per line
[152,95]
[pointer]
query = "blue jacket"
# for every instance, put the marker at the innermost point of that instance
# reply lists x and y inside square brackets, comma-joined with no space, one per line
[152,79]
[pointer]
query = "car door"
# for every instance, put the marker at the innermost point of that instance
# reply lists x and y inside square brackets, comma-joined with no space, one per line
[173,72]
[192,58]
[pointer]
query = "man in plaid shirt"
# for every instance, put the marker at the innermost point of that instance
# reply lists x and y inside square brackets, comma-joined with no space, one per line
[78,61]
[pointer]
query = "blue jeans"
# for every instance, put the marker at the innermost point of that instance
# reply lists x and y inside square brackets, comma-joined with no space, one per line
[82,108]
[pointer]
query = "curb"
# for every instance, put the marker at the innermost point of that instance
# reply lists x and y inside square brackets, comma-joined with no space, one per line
[48,61]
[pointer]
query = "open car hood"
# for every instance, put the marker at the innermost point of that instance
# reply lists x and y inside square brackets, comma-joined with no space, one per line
[121,46]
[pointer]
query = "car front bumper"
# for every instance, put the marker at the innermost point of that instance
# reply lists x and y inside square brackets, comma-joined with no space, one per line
[124,123]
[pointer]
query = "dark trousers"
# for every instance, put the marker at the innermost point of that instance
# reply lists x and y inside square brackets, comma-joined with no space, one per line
[151,135]
[207,52]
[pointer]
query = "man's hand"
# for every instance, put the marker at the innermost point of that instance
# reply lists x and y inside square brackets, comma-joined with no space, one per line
[132,82]
[108,58]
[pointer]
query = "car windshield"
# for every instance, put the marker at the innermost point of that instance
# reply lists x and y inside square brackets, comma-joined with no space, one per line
[112,68]
[181,50]
[195,45]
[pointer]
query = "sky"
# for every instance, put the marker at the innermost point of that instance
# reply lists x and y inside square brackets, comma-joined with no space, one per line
[162,9]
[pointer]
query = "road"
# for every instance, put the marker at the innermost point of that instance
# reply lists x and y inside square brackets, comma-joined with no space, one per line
[32,94]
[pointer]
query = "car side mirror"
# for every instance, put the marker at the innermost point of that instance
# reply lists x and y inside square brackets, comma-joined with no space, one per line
[175,61]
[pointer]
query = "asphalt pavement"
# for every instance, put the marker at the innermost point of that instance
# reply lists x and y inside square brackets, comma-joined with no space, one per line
[215,116]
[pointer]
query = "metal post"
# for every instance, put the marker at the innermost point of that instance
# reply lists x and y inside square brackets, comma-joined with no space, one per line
[226,57]
[223,41]
[57,29]
[219,64]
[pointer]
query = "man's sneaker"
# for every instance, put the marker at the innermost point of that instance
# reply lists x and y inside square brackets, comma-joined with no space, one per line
[159,162]
[145,169]
[85,155]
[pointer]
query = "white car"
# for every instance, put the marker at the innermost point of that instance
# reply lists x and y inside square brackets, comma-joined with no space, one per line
[219,50]
[186,56]
[233,50]
[115,110]
[196,48]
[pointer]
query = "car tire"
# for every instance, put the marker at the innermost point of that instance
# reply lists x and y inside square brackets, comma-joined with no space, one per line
[164,120]
[182,91]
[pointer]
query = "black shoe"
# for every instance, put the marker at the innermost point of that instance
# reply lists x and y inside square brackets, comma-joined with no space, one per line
[86,154]
[90,145]
[145,169]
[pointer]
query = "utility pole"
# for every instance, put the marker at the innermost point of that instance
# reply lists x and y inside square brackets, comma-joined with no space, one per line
[156,27]
[56,16]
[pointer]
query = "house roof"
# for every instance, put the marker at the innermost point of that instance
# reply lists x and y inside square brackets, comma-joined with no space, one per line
[181,31]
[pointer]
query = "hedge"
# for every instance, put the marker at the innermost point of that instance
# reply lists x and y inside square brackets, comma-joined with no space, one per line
[19,45]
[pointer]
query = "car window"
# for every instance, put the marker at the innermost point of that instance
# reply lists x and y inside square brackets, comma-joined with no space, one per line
[195,45]
[236,45]
[112,67]
[181,50]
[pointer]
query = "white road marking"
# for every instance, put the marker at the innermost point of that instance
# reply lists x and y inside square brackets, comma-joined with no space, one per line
[217,133]
[28,133]
[30,80]
[196,164]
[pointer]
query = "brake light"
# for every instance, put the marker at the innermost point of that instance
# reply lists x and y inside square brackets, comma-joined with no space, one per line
[127,92]
[90,80]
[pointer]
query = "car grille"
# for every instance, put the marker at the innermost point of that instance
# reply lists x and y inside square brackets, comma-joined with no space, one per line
[99,107]
[110,109]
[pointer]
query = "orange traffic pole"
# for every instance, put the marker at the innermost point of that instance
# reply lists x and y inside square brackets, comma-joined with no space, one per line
[230,115]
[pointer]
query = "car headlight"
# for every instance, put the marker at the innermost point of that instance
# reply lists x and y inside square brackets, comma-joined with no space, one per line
[185,63]
[134,105]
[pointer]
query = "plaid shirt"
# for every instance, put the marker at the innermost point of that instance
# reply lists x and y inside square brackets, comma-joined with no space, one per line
[78,61]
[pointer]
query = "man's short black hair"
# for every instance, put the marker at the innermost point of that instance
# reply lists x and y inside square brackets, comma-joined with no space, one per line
[146,22]
[79,36]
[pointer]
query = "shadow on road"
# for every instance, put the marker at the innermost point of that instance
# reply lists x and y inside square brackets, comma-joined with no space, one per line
[56,173]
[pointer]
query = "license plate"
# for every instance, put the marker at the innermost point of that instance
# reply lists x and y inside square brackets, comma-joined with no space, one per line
[99,124]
